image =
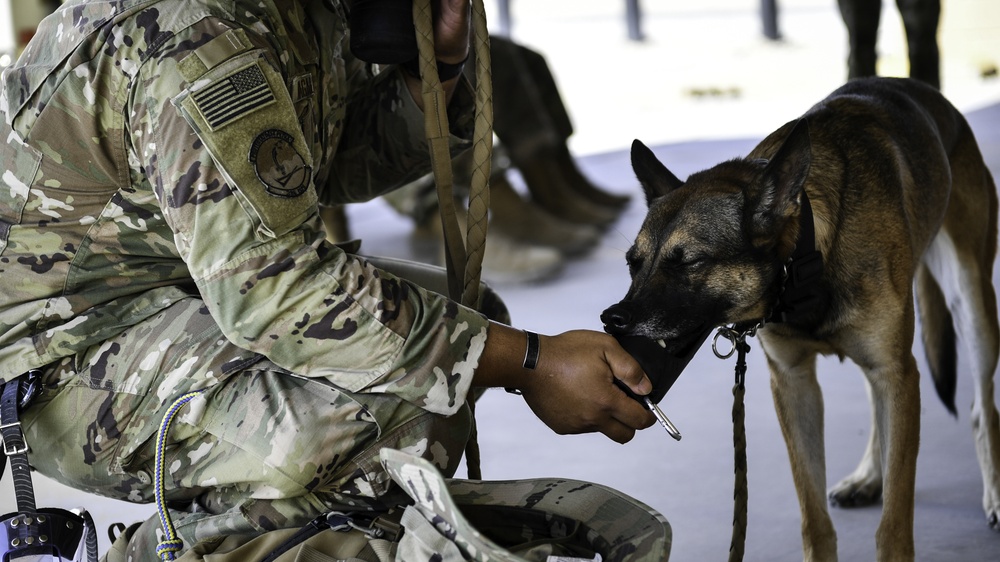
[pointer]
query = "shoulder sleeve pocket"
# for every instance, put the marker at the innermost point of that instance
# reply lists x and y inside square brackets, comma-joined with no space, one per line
[19,165]
[242,111]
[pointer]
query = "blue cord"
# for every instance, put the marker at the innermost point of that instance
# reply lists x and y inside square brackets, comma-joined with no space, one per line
[171,544]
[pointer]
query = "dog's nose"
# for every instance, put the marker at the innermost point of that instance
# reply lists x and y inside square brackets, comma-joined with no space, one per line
[617,319]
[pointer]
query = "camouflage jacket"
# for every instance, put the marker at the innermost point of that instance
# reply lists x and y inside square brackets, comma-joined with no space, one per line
[155,150]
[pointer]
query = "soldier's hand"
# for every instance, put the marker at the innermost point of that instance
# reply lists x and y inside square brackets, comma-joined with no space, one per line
[573,391]
[451,44]
[451,30]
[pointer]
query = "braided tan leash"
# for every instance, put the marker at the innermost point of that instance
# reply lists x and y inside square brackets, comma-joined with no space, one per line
[739,538]
[738,339]
[463,260]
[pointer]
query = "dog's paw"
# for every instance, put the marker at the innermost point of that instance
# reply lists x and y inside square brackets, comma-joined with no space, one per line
[993,518]
[850,493]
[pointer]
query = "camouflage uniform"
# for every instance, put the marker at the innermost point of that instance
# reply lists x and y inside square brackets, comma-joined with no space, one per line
[162,163]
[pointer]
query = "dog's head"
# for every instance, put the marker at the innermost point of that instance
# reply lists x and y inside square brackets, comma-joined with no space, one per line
[711,250]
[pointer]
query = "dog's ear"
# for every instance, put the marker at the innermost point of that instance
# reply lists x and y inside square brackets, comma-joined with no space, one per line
[655,178]
[783,179]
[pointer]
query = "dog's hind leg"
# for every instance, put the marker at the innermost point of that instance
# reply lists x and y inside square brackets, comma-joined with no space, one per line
[895,390]
[863,486]
[961,259]
[798,400]
[883,350]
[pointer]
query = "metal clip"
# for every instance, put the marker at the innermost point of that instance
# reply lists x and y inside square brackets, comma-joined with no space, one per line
[730,335]
[734,337]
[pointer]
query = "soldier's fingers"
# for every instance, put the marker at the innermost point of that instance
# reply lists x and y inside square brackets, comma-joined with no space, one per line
[632,414]
[617,431]
[625,368]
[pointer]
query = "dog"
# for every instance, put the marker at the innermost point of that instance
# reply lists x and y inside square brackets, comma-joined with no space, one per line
[822,236]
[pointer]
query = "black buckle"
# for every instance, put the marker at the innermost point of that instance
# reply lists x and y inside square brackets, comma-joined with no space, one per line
[15,443]
[50,531]
[806,268]
[30,386]
[802,292]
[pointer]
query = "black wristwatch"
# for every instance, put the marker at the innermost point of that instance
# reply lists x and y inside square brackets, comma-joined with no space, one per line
[445,71]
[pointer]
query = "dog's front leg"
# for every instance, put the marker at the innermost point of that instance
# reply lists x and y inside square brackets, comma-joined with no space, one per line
[798,400]
[895,391]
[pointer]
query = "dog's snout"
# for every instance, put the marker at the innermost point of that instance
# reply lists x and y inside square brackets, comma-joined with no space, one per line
[617,319]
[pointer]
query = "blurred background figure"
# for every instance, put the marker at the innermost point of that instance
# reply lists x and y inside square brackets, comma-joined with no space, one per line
[557,213]
[920,20]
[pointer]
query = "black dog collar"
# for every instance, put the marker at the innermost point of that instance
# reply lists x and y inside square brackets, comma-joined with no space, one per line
[801,294]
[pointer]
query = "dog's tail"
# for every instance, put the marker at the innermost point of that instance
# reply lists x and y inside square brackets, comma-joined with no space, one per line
[938,332]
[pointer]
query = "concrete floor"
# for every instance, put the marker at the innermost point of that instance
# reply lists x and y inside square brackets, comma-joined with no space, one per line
[619,90]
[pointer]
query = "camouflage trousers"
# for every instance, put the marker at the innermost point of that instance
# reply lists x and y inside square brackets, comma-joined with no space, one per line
[258,449]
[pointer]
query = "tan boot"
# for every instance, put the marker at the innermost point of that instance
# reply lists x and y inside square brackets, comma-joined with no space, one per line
[566,165]
[554,193]
[506,261]
[525,221]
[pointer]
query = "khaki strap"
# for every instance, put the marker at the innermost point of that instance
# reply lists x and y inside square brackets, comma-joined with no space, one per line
[463,260]
[482,150]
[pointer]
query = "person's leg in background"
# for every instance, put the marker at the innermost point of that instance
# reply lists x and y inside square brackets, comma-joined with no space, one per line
[562,214]
[862,20]
[533,124]
[920,20]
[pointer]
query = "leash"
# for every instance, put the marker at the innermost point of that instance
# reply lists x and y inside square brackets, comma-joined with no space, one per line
[738,339]
[463,260]
[800,296]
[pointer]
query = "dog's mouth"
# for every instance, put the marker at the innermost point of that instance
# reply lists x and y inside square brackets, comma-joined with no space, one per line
[664,360]
[680,343]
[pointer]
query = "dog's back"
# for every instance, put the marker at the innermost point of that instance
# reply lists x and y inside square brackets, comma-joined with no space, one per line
[896,154]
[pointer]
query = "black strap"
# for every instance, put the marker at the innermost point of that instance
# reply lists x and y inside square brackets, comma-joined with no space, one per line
[802,294]
[370,523]
[807,229]
[55,524]
[14,445]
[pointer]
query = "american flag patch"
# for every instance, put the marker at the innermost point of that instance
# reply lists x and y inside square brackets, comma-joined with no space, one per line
[234,96]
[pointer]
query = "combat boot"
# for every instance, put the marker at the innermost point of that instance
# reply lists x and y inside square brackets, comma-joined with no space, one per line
[506,261]
[524,221]
[554,192]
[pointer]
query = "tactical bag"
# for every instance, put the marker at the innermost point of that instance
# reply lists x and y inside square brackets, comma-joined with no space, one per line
[454,520]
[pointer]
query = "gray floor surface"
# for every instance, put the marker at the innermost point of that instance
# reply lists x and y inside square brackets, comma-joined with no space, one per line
[712,45]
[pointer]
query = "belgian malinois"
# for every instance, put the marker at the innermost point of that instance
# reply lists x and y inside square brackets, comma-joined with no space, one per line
[885,179]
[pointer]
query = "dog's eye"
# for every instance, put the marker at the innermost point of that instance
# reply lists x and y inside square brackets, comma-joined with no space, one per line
[633,261]
[633,265]
[678,257]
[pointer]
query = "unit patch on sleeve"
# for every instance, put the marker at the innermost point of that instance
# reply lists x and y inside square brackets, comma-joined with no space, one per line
[282,170]
[233,96]
[263,154]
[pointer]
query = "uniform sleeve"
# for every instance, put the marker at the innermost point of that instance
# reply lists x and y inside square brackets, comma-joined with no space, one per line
[232,172]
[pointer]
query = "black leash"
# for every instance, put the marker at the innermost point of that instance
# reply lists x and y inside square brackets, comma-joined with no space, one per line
[740,489]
